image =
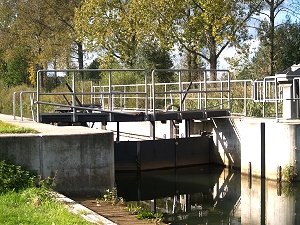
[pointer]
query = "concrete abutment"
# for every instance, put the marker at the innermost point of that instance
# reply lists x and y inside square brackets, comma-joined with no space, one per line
[257,146]
[83,158]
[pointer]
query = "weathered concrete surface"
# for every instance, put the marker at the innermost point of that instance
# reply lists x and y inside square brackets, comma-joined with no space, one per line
[227,141]
[82,157]
[265,144]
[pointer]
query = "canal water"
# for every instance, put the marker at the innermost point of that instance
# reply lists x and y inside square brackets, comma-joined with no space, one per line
[211,195]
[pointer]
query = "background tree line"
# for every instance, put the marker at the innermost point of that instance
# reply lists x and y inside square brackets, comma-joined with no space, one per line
[63,34]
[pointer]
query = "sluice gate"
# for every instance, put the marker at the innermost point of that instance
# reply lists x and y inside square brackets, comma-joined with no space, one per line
[161,154]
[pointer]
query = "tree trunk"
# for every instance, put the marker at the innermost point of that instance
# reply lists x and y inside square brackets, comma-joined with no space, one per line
[213,60]
[80,57]
[272,27]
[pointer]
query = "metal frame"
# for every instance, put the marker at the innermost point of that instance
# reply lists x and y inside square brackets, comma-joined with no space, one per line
[74,93]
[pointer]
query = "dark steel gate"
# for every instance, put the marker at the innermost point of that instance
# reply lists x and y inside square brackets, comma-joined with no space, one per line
[158,154]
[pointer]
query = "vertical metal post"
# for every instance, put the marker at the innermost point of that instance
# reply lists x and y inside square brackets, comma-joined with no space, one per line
[200,96]
[31,105]
[92,95]
[109,92]
[38,96]
[146,93]
[294,97]
[205,90]
[118,131]
[82,90]
[14,105]
[150,97]
[136,98]
[73,98]
[153,205]
[221,86]
[263,173]
[165,96]
[154,113]
[187,128]
[245,98]
[21,105]
[153,94]
[124,106]
[181,90]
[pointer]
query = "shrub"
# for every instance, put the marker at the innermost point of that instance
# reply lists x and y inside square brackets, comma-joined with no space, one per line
[15,178]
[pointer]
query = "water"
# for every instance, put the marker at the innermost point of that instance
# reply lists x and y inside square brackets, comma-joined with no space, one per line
[211,195]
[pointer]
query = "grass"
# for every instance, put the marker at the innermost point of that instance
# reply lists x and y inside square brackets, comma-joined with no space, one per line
[26,200]
[31,207]
[7,128]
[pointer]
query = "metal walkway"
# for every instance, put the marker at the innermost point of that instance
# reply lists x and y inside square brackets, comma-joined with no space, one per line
[114,116]
[191,97]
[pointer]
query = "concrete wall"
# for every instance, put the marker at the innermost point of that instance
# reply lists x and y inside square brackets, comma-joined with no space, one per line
[227,142]
[262,143]
[84,162]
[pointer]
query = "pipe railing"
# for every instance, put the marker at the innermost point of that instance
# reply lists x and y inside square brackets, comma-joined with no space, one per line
[31,95]
[74,93]
[206,95]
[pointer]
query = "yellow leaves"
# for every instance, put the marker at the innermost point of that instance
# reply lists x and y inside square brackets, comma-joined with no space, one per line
[113,27]
[120,27]
[32,74]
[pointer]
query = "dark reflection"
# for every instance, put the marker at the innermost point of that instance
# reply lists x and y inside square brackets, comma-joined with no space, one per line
[194,195]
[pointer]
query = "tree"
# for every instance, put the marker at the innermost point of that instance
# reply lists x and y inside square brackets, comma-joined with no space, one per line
[266,31]
[286,53]
[93,74]
[46,28]
[267,28]
[198,27]
[16,70]
[112,29]
[62,13]
[151,57]
[287,45]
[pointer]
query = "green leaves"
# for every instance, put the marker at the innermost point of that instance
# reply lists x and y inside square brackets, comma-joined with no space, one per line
[117,29]
[14,178]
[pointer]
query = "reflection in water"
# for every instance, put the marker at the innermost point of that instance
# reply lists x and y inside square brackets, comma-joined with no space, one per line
[194,195]
[211,195]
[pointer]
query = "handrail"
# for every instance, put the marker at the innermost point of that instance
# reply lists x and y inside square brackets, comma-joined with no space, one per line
[21,102]
[183,92]
[74,93]
[151,97]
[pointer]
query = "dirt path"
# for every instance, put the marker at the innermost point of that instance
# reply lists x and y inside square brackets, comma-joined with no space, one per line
[116,214]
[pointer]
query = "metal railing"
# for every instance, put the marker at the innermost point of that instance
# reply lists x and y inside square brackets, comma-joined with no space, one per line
[267,90]
[147,97]
[31,97]
[203,92]
[152,97]
[74,93]
[163,95]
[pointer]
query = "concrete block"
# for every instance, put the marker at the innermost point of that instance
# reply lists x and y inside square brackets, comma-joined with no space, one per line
[84,161]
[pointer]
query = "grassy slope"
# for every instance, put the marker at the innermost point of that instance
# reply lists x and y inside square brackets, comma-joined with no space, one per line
[12,129]
[26,207]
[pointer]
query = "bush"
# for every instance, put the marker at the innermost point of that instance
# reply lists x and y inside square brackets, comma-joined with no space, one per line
[15,178]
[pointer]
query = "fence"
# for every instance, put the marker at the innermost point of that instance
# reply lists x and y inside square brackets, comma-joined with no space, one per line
[240,97]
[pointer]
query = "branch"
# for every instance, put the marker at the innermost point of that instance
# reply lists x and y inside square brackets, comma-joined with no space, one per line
[199,6]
